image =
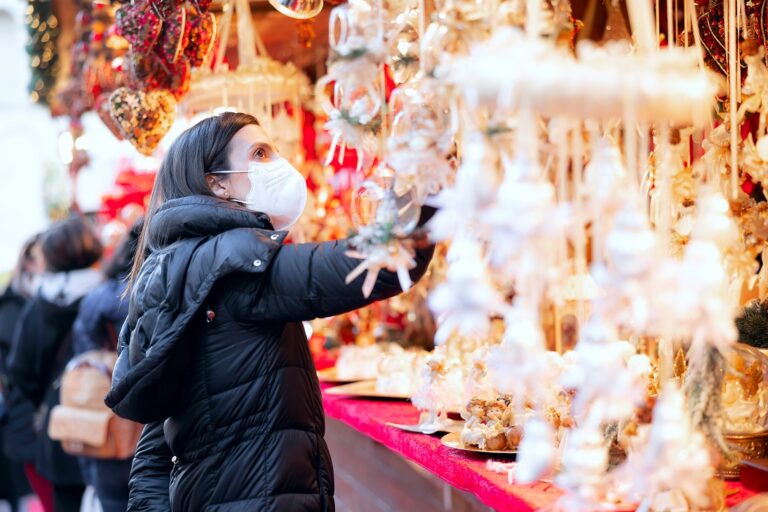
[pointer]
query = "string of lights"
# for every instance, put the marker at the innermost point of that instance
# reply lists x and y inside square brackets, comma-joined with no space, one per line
[43,30]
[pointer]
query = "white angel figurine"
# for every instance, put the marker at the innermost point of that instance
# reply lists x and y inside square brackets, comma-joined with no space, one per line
[429,397]
[754,92]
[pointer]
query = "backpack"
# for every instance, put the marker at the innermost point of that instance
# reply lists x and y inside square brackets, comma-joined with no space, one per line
[83,424]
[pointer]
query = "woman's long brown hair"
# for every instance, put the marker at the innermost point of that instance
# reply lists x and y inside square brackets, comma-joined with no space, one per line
[199,150]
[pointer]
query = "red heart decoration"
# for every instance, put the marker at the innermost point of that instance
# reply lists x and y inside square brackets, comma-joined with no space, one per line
[140,25]
[202,35]
[173,37]
[202,5]
[143,118]
[166,9]
[152,72]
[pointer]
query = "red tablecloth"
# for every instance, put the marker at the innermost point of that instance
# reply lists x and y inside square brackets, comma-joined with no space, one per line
[464,471]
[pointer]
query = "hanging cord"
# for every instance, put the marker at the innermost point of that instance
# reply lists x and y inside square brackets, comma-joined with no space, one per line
[226,25]
[246,39]
[670,25]
[694,21]
[733,61]
[641,23]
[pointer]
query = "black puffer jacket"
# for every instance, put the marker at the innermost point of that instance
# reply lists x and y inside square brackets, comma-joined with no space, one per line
[215,358]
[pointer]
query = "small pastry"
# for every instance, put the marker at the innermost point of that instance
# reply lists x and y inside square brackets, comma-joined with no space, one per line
[496,442]
[513,434]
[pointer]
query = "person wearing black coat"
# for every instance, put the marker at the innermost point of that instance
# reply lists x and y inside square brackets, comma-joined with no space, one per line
[13,483]
[42,346]
[214,357]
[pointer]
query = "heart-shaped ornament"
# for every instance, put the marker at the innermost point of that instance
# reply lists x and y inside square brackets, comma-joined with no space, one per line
[140,25]
[143,117]
[174,36]
[178,77]
[104,112]
[150,72]
[202,5]
[166,9]
[202,35]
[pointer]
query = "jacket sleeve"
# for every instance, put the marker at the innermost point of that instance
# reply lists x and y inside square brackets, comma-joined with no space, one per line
[308,281]
[151,472]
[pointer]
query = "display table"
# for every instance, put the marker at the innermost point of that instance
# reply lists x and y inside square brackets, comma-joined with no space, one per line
[464,471]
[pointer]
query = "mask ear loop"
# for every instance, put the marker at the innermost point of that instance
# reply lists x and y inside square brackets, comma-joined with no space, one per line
[218,182]
[251,177]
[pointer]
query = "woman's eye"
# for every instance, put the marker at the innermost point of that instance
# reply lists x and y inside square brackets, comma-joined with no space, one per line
[260,153]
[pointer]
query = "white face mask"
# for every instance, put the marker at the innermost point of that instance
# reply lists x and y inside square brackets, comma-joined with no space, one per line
[277,189]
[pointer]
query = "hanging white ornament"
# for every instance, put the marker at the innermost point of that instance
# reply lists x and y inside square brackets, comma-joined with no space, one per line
[537,452]
[462,206]
[466,301]
[672,466]
[585,463]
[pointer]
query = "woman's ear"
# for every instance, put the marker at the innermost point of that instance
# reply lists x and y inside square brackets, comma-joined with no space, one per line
[219,187]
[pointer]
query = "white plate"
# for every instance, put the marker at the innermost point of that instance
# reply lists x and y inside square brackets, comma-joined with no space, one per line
[426,428]
[364,389]
[453,440]
[331,376]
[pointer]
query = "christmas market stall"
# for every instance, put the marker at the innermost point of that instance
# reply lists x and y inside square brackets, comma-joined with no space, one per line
[592,333]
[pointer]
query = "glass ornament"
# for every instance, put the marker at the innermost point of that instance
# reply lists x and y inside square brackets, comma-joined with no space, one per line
[375,202]
[366,201]
[404,53]
[745,391]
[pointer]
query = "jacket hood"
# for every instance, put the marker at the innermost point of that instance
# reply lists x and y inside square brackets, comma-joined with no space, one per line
[198,216]
[67,288]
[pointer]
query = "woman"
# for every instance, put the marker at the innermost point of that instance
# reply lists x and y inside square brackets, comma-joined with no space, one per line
[102,313]
[18,442]
[43,344]
[214,356]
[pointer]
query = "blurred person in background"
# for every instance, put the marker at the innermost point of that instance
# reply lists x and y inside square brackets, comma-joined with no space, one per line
[42,346]
[21,287]
[102,313]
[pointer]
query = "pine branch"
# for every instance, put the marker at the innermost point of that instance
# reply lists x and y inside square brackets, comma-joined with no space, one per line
[703,385]
[752,324]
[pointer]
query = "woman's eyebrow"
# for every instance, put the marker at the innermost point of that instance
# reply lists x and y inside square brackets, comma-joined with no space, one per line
[262,145]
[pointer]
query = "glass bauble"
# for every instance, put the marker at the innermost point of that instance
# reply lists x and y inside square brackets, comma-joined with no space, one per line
[379,201]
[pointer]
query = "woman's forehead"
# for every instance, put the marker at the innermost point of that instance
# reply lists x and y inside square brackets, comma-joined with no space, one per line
[249,135]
